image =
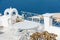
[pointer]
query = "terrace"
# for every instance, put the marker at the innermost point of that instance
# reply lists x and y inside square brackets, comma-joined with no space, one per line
[47,22]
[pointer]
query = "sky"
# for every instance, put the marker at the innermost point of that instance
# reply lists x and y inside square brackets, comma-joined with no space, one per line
[35,6]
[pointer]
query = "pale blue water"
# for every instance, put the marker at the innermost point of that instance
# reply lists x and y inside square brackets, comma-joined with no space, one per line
[35,6]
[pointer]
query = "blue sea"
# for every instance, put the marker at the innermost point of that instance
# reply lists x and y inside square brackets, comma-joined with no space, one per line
[35,6]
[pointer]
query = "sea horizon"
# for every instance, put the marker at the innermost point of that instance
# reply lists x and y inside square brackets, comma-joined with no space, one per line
[33,6]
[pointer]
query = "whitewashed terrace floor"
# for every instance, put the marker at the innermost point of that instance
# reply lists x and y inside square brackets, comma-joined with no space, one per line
[9,35]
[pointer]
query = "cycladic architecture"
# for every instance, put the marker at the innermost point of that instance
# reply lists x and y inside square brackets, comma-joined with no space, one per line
[8,18]
[11,15]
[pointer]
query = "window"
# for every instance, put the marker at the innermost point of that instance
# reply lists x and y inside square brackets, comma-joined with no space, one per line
[7,13]
[13,13]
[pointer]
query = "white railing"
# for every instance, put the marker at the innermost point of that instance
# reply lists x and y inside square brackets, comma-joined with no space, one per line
[33,17]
